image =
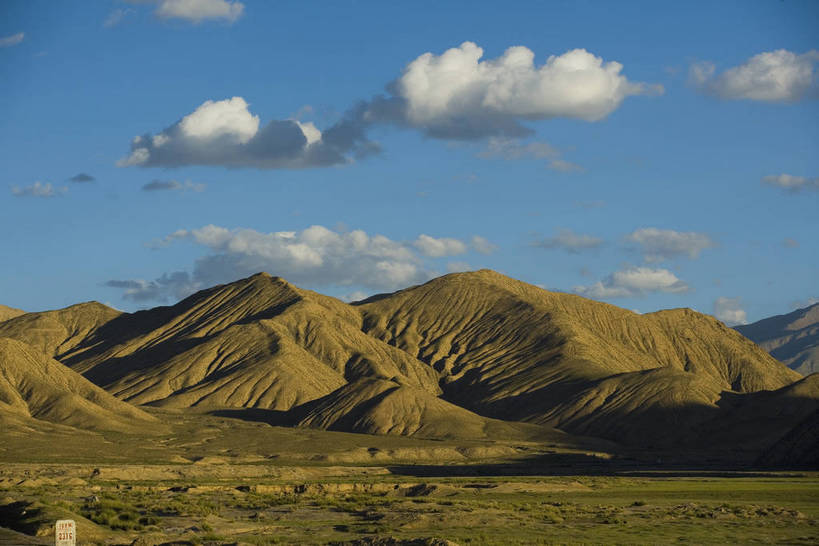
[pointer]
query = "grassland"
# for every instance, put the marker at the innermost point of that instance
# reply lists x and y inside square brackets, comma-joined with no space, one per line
[348,507]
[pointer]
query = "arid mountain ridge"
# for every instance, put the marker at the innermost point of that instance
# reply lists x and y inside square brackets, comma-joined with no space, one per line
[467,355]
[792,338]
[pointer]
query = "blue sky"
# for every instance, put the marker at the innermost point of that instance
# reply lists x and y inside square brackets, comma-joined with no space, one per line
[361,147]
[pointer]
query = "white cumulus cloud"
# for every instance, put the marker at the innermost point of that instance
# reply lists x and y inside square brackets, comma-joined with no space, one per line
[730,311]
[225,132]
[772,76]
[792,183]
[456,94]
[633,282]
[657,245]
[225,118]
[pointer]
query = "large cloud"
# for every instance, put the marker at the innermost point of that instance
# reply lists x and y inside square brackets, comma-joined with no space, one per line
[663,244]
[772,76]
[730,311]
[792,183]
[571,242]
[633,282]
[315,257]
[457,95]
[226,133]
[450,96]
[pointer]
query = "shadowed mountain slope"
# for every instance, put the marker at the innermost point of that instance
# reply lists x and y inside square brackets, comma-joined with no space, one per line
[792,338]
[761,419]
[33,386]
[377,406]
[800,446]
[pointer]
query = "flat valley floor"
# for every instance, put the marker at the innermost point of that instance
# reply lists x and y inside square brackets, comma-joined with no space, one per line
[227,481]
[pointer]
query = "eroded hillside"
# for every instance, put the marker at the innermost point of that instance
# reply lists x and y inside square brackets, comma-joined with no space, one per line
[467,355]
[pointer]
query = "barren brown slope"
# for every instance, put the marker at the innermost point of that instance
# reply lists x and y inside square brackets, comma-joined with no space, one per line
[513,351]
[7,313]
[259,342]
[55,333]
[438,359]
[34,386]
[792,338]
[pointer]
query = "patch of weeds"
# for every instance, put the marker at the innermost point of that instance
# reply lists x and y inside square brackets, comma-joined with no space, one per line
[552,514]
[372,529]
[116,515]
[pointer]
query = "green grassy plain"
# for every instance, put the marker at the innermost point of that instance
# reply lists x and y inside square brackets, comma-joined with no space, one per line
[663,509]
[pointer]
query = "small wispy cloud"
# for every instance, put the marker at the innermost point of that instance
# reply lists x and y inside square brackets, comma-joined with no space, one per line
[482,245]
[657,245]
[82,178]
[563,166]
[12,40]
[173,185]
[512,149]
[792,183]
[730,311]
[801,304]
[571,242]
[197,11]
[38,189]
[117,16]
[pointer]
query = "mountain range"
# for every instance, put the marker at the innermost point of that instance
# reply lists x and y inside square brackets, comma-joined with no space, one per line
[469,355]
[792,338]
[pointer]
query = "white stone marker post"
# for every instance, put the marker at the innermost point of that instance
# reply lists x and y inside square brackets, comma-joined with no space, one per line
[65,532]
